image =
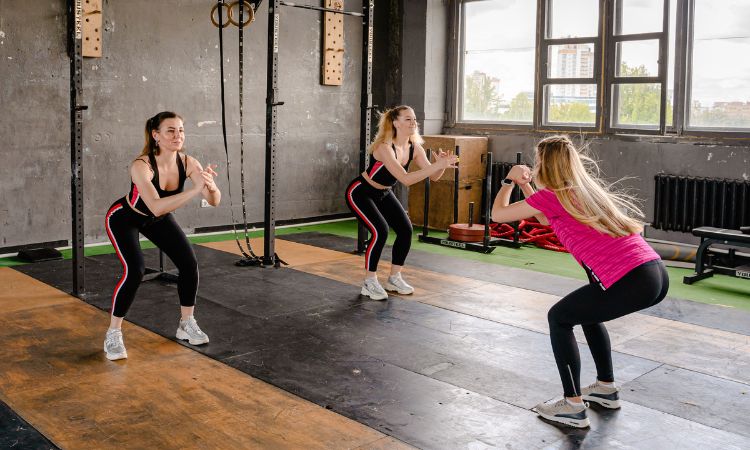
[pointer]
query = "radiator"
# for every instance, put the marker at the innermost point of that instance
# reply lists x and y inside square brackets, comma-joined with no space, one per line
[684,203]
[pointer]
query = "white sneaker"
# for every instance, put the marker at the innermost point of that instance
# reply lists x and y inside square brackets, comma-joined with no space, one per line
[114,347]
[372,288]
[607,396]
[397,284]
[191,332]
[562,411]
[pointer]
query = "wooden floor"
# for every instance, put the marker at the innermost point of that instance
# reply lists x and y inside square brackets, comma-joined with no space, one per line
[458,364]
[54,374]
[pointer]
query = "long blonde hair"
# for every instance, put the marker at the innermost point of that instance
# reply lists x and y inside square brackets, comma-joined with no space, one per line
[562,168]
[386,130]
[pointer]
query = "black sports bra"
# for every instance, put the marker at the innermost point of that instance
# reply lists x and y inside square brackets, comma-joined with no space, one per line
[380,174]
[134,197]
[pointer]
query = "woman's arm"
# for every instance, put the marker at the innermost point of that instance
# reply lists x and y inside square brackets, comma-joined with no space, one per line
[420,157]
[502,211]
[528,191]
[210,191]
[141,175]
[384,154]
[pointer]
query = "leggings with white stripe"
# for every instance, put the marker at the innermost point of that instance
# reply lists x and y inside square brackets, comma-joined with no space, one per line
[123,225]
[377,209]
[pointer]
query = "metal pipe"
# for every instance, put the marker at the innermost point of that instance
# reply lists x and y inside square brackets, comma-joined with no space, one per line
[320,8]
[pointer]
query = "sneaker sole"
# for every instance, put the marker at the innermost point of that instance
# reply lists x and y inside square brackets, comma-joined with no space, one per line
[115,356]
[367,293]
[181,335]
[392,288]
[610,404]
[575,423]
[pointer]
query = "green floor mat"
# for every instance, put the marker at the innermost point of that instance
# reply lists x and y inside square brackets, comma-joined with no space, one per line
[718,290]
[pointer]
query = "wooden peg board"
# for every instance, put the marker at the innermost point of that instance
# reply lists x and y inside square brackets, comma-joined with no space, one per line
[92,28]
[333,44]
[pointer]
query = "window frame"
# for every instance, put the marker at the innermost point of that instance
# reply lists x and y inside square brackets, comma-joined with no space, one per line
[687,130]
[457,84]
[611,97]
[604,77]
[544,23]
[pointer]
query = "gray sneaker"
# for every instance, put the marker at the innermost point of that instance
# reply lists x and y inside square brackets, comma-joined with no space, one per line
[606,396]
[113,345]
[191,332]
[397,284]
[563,412]
[372,288]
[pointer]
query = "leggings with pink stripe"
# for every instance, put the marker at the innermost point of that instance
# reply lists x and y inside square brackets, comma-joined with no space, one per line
[123,226]
[379,209]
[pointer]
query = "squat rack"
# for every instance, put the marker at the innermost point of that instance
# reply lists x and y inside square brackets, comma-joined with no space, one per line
[272,102]
[75,17]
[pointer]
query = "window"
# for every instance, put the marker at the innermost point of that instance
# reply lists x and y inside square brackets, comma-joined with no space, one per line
[569,55]
[719,94]
[497,80]
[638,65]
[605,66]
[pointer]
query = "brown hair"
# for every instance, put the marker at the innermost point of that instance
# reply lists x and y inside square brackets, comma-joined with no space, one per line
[153,124]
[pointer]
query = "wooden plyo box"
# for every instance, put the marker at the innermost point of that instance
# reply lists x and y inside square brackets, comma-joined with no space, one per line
[441,203]
[473,156]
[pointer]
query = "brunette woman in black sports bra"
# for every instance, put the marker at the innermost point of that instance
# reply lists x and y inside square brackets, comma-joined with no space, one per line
[156,189]
[371,199]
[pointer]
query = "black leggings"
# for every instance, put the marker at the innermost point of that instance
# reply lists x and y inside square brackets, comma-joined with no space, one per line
[123,225]
[589,306]
[378,209]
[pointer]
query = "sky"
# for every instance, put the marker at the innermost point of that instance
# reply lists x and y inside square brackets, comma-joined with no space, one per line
[500,39]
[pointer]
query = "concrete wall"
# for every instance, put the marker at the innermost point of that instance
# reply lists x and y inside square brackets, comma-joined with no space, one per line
[164,56]
[424,61]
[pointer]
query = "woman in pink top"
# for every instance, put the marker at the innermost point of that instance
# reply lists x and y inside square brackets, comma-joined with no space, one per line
[598,228]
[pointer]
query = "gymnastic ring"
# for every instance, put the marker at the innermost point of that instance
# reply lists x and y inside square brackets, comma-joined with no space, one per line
[213,10]
[250,15]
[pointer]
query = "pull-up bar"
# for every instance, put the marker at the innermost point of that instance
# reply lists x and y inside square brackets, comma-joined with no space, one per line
[272,104]
[320,8]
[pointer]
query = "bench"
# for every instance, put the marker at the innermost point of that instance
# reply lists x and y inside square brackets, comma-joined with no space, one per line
[704,260]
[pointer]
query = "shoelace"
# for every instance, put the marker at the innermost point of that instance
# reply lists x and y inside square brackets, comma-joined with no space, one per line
[192,327]
[114,339]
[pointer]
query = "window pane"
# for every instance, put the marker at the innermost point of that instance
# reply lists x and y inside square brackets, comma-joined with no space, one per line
[670,69]
[571,61]
[570,104]
[572,18]
[636,105]
[720,84]
[498,61]
[638,58]
[639,16]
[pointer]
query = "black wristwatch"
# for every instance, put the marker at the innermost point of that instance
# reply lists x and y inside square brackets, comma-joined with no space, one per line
[507,182]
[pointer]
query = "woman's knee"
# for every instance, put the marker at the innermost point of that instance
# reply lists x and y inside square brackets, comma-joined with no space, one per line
[405,231]
[556,317]
[381,235]
[188,267]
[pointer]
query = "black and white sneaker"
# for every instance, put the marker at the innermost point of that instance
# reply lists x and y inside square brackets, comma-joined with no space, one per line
[606,396]
[564,412]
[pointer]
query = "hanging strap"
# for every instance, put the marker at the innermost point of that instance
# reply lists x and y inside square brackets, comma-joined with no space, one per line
[251,256]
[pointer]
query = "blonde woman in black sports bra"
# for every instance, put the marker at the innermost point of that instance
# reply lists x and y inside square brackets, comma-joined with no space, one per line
[371,199]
